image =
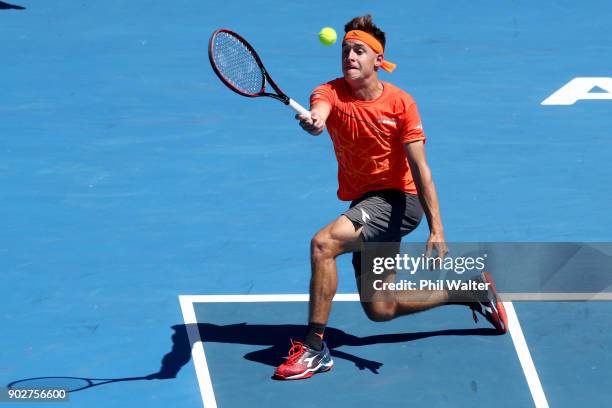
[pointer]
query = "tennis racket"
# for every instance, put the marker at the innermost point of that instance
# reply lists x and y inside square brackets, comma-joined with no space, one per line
[239,67]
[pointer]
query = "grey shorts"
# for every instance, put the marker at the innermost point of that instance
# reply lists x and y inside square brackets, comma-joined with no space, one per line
[386,215]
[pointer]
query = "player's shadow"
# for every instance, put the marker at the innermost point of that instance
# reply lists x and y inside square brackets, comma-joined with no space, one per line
[274,338]
[7,6]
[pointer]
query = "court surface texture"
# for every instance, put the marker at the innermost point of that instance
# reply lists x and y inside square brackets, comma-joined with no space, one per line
[157,224]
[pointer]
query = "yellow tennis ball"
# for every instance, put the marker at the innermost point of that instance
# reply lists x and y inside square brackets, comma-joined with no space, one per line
[327,36]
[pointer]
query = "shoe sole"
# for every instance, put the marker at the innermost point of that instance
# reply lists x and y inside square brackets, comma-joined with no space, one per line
[499,306]
[321,368]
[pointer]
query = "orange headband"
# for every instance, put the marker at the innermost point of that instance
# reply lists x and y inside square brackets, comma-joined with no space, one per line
[371,42]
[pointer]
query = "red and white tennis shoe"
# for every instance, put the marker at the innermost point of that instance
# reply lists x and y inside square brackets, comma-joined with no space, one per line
[304,362]
[490,307]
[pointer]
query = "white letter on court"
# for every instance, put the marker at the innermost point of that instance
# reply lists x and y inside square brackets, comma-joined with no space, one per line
[580,88]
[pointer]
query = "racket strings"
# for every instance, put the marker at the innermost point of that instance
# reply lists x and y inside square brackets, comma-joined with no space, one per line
[237,64]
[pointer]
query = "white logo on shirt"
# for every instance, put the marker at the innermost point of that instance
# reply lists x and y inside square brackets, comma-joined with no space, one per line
[387,121]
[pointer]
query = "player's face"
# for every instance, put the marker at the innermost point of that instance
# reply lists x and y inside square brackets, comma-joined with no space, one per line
[358,60]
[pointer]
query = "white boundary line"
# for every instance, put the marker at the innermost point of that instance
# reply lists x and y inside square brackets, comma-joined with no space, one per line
[197,352]
[297,297]
[556,297]
[537,393]
[203,374]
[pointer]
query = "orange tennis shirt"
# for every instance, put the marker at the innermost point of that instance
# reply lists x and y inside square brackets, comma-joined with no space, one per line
[368,138]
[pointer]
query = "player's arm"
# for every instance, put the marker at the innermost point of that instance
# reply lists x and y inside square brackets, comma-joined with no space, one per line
[319,112]
[415,152]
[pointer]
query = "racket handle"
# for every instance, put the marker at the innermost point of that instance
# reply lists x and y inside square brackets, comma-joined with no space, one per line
[299,108]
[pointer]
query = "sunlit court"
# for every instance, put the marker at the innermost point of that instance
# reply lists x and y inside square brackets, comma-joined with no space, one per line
[164,239]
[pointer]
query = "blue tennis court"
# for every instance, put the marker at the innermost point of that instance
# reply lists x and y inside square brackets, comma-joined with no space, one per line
[156,226]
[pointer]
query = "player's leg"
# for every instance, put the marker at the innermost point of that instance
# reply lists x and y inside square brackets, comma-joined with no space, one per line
[383,305]
[312,356]
[392,215]
[385,216]
[389,215]
[336,238]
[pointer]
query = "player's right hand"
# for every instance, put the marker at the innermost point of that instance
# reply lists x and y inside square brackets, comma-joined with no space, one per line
[315,125]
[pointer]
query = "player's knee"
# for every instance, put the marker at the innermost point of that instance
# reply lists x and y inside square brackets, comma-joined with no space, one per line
[379,311]
[322,247]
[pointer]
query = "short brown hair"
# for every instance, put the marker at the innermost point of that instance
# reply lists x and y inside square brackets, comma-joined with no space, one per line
[364,23]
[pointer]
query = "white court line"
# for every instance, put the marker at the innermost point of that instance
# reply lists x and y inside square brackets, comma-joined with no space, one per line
[197,352]
[203,374]
[514,326]
[556,297]
[302,297]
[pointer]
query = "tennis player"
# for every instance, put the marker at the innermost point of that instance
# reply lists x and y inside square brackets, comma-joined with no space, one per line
[379,143]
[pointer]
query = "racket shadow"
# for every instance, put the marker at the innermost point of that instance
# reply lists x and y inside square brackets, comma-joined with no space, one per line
[69,384]
[172,362]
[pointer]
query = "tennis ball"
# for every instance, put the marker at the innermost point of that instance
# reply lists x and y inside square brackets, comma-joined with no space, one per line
[327,36]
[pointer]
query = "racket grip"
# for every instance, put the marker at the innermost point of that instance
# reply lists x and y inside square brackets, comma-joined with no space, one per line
[299,108]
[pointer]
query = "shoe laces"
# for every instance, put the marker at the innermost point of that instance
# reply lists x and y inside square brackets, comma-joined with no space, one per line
[295,352]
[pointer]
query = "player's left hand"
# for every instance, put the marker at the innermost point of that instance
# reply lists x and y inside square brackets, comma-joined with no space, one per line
[436,243]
